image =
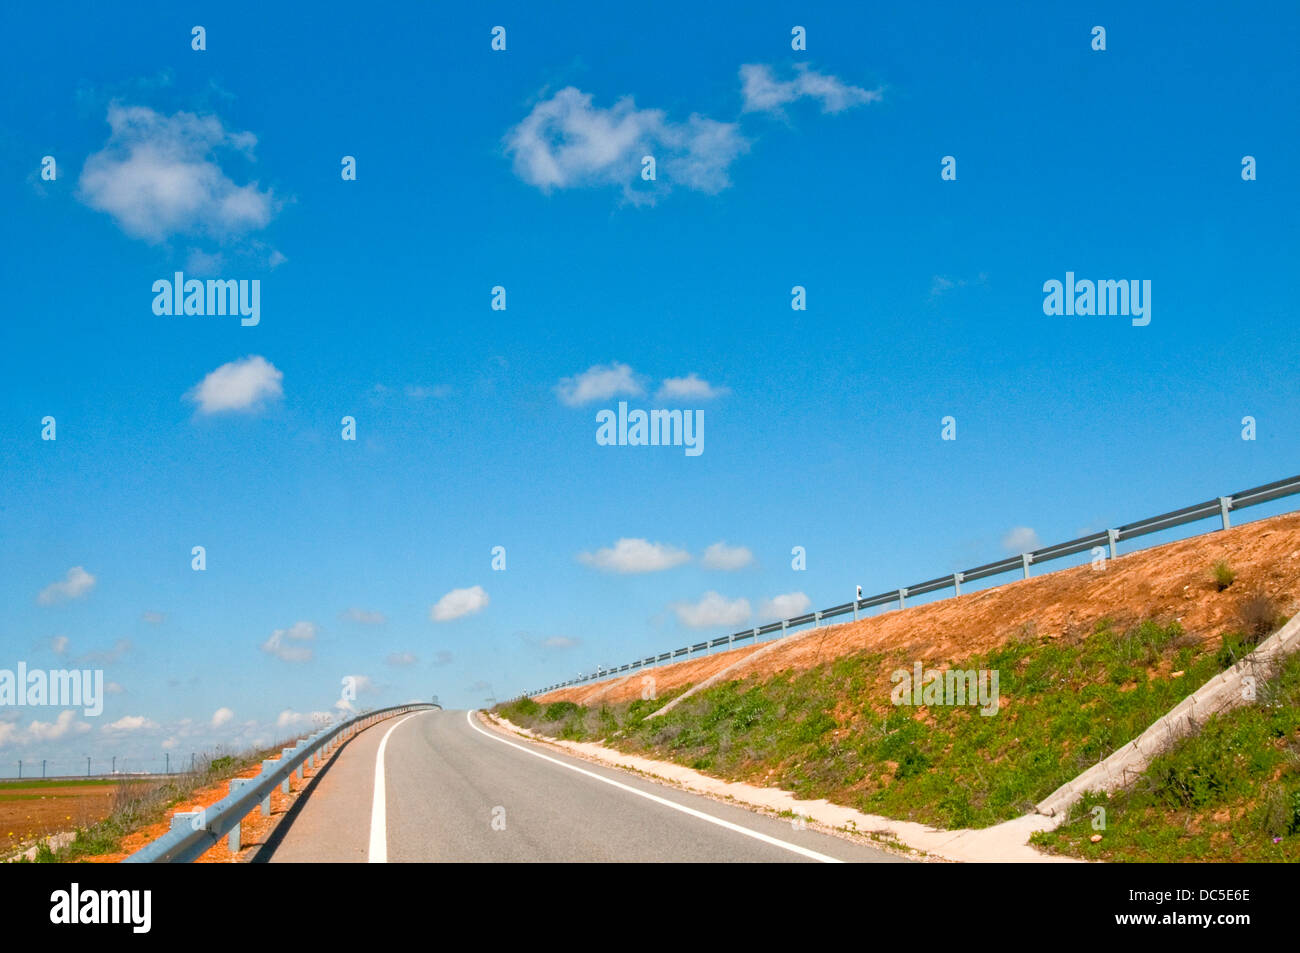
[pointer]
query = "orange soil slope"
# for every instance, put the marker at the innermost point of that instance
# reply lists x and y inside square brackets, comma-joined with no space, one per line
[1168,582]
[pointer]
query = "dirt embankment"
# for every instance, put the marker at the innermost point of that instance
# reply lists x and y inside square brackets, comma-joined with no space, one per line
[1169,582]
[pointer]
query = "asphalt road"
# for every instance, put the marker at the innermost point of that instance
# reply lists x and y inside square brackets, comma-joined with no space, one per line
[456,790]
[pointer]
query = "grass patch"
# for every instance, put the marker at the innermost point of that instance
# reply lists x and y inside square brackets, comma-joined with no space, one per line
[1223,575]
[1229,793]
[831,731]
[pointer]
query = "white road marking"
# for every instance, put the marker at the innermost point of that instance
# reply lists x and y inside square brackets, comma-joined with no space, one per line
[785,845]
[378,808]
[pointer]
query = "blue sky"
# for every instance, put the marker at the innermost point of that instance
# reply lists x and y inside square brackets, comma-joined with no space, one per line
[521,168]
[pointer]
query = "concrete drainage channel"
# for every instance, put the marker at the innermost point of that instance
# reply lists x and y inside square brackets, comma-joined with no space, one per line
[194,832]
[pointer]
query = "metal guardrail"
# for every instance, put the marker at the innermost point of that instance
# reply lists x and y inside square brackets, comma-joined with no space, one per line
[193,832]
[1107,539]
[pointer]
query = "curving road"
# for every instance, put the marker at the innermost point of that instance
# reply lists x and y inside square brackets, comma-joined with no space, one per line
[451,789]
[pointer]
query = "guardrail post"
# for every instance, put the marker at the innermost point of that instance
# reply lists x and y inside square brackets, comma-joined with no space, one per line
[1025,560]
[1113,536]
[1225,504]
[285,755]
[957,577]
[731,641]
[785,626]
[184,821]
[817,618]
[902,595]
[232,839]
[268,767]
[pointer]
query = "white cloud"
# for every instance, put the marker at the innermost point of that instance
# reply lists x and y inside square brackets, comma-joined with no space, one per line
[364,684]
[763,92]
[244,384]
[364,616]
[59,644]
[784,606]
[129,724]
[690,387]
[559,642]
[712,609]
[1021,539]
[222,716]
[291,644]
[66,723]
[74,585]
[113,688]
[635,555]
[721,556]
[457,603]
[293,720]
[566,142]
[153,618]
[157,176]
[599,382]
[401,659]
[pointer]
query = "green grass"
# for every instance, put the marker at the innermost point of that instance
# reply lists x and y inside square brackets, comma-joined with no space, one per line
[831,732]
[1229,793]
[38,783]
[1223,575]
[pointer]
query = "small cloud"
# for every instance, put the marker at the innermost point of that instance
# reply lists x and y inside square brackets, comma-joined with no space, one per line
[1020,539]
[635,555]
[363,684]
[442,658]
[65,723]
[560,642]
[401,659]
[129,724]
[784,606]
[294,720]
[721,556]
[113,688]
[74,585]
[222,716]
[567,142]
[242,385]
[363,616]
[59,644]
[291,644]
[158,176]
[153,618]
[599,382]
[763,92]
[712,609]
[690,387]
[457,603]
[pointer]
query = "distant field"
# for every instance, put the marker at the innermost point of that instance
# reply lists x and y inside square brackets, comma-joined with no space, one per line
[35,808]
